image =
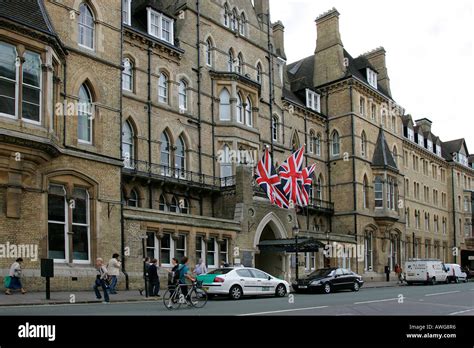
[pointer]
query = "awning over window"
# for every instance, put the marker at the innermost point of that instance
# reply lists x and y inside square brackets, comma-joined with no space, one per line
[289,245]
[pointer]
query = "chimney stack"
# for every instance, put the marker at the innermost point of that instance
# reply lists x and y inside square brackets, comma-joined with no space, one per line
[376,57]
[329,52]
[279,39]
[424,124]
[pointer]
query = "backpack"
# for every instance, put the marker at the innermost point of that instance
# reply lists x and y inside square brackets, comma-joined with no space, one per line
[177,274]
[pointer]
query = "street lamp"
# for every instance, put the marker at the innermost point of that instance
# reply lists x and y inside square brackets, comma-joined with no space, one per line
[295,233]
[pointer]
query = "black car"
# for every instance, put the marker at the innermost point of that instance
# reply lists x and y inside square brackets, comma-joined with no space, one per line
[328,280]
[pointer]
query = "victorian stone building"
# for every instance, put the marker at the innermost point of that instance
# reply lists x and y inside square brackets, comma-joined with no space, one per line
[134,128]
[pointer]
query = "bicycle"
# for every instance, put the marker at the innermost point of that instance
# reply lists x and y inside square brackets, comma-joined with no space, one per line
[173,298]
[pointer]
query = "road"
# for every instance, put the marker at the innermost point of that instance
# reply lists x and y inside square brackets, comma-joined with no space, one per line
[442,299]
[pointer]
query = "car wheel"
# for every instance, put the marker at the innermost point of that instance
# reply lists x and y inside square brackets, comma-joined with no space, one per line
[280,290]
[447,280]
[356,286]
[327,288]
[433,281]
[235,292]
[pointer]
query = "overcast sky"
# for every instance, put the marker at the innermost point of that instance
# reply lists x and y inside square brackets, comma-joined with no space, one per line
[429,51]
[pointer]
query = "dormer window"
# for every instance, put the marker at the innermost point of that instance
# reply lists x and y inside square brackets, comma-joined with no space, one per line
[372,78]
[430,145]
[438,150]
[160,26]
[411,134]
[126,11]
[313,100]
[421,140]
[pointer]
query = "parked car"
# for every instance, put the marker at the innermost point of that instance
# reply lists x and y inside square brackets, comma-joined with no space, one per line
[455,273]
[426,271]
[327,280]
[236,282]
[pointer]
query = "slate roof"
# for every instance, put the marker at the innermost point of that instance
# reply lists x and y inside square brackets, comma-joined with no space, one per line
[449,147]
[30,13]
[382,154]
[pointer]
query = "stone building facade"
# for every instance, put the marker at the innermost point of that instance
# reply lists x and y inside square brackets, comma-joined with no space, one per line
[167,107]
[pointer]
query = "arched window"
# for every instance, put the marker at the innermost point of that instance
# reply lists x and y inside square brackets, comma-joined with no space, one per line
[128,145]
[319,188]
[295,142]
[127,75]
[259,73]
[317,145]
[162,204]
[163,88]
[395,155]
[275,122]
[239,67]
[180,158]
[239,111]
[363,144]
[86,26]
[174,207]
[84,122]
[225,163]
[378,192]
[243,23]
[8,79]
[365,192]
[165,159]
[133,199]
[224,105]
[311,142]
[183,95]
[230,61]
[335,148]
[184,206]
[235,20]
[248,113]
[226,15]
[368,262]
[209,52]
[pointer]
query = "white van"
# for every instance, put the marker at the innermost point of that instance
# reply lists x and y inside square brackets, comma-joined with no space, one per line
[428,271]
[455,273]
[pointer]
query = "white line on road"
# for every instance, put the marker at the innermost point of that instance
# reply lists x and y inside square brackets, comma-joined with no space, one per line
[283,310]
[385,300]
[467,310]
[443,293]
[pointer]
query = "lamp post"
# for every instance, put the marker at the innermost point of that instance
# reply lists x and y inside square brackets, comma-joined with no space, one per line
[295,232]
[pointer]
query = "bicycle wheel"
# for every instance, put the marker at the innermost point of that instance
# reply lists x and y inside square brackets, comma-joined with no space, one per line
[171,299]
[198,298]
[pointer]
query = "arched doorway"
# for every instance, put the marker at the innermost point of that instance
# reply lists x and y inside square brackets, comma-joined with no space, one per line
[274,263]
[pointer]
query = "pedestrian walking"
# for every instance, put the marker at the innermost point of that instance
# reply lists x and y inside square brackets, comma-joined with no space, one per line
[113,269]
[184,275]
[153,279]
[398,271]
[200,268]
[101,280]
[15,276]
[172,272]
[145,272]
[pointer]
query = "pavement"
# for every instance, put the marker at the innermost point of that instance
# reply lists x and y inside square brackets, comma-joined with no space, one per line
[438,300]
[72,297]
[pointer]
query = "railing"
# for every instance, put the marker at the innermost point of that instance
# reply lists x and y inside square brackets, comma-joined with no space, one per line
[176,175]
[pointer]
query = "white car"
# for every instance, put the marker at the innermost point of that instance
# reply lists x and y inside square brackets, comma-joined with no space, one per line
[236,282]
[455,273]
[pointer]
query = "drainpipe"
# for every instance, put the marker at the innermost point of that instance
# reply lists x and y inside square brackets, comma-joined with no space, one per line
[354,183]
[198,48]
[454,213]
[270,80]
[150,194]
[122,227]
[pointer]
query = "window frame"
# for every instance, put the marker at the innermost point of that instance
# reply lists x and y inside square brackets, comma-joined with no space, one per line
[128,12]
[92,28]
[40,89]
[129,73]
[89,114]
[158,26]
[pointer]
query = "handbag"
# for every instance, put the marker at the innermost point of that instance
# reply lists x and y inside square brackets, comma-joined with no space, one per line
[6,281]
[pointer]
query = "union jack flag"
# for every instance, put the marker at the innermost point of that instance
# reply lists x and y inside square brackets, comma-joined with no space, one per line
[267,178]
[307,175]
[291,176]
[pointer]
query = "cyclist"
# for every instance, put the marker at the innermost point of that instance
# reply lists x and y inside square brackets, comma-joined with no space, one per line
[183,275]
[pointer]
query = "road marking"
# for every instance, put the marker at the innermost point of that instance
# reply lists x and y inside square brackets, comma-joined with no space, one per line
[467,310]
[443,293]
[385,300]
[283,310]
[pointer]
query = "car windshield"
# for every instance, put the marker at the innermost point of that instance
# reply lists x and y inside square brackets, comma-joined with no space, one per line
[323,272]
[221,271]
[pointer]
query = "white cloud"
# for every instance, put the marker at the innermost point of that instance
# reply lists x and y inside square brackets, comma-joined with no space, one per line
[429,51]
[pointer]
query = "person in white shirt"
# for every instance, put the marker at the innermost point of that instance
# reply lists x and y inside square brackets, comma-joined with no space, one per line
[15,277]
[113,269]
[200,267]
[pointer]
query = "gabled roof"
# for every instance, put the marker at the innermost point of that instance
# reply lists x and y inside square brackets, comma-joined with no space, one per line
[29,13]
[449,147]
[382,155]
